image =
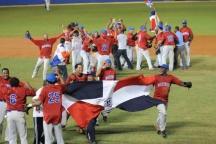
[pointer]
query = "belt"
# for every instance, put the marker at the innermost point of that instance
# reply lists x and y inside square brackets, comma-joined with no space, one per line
[15,110]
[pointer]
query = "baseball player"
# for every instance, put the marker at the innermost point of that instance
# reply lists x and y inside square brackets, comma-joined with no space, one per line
[76,44]
[15,97]
[169,40]
[162,83]
[106,72]
[62,54]
[4,82]
[188,37]
[131,42]
[45,48]
[85,53]
[103,45]
[142,41]
[158,45]
[51,99]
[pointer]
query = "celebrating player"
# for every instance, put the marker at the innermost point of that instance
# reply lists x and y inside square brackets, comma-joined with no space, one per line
[45,48]
[162,83]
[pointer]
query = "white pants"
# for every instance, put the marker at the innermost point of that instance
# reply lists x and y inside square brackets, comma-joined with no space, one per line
[47,3]
[16,123]
[86,61]
[161,119]
[187,46]
[64,118]
[101,59]
[168,52]
[140,54]
[2,111]
[158,61]
[76,58]
[41,61]
[48,133]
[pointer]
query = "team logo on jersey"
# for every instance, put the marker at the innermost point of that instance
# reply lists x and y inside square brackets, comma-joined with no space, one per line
[104,47]
[54,97]
[163,84]
[13,99]
[170,38]
[46,46]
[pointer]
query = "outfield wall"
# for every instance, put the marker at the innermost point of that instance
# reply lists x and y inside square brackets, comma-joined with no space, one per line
[32,2]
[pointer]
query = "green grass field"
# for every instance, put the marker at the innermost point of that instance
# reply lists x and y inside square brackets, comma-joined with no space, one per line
[191,114]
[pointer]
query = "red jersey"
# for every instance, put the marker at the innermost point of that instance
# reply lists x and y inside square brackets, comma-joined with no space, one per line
[187,33]
[45,46]
[113,34]
[3,83]
[169,38]
[108,74]
[103,45]
[15,97]
[86,43]
[159,37]
[162,85]
[142,40]
[51,99]
[73,77]
[130,41]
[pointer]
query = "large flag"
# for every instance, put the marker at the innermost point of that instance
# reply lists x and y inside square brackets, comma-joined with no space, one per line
[85,100]
[154,20]
[149,3]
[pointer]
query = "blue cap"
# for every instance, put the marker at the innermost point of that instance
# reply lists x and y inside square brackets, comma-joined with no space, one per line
[103,31]
[164,66]
[51,77]
[131,28]
[108,61]
[168,28]
[143,28]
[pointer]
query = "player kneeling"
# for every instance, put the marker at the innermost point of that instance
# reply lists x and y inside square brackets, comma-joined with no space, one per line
[51,100]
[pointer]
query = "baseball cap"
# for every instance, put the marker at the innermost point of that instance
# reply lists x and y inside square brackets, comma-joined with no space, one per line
[164,66]
[103,31]
[51,77]
[131,28]
[143,28]
[108,61]
[184,21]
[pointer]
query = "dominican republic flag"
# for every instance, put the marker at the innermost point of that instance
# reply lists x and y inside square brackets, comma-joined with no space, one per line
[154,20]
[85,100]
[149,3]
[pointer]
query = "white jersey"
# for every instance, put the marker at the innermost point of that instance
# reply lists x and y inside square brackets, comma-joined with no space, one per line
[122,41]
[76,43]
[38,110]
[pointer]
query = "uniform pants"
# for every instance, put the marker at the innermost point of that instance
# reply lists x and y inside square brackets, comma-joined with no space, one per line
[2,116]
[76,58]
[130,56]
[140,53]
[158,61]
[41,61]
[38,130]
[86,61]
[64,118]
[161,119]
[48,133]
[123,53]
[16,123]
[91,130]
[168,52]
[187,46]
[101,59]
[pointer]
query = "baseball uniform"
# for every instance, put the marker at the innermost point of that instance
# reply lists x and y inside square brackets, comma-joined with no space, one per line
[188,36]
[167,51]
[51,99]
[142,50]
[131,44]
[158,39]
[76,44]
[85,54]
[45,47]
[15,98]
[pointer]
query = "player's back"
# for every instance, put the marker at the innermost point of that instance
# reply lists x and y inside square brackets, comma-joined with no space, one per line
[51,98]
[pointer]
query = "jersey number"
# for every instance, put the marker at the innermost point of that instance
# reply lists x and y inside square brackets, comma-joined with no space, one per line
[104,47]
[170,38]
[54,97]
[13,99]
